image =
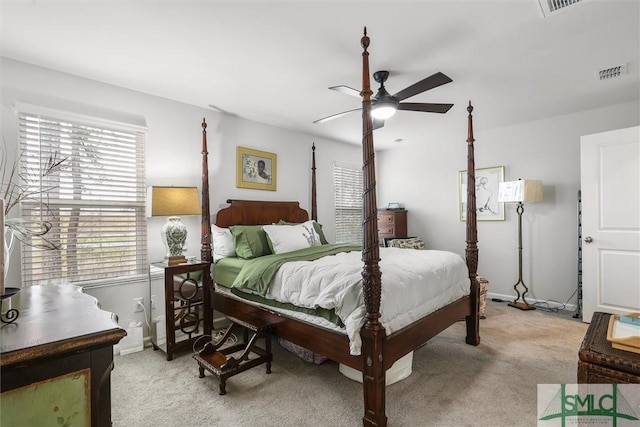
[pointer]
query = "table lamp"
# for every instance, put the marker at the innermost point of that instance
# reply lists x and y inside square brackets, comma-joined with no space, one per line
[523,190]
[172,202]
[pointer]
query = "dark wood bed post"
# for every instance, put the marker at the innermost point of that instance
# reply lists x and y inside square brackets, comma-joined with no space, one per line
[205,230]
[314,206]
[473,320]
[372,333]
[205,236]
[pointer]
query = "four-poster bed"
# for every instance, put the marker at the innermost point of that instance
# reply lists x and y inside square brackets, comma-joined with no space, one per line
[380,348]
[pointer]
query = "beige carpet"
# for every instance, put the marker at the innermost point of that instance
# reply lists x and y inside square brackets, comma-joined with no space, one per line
[452,384]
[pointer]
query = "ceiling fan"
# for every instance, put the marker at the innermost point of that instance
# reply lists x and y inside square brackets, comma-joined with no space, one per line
[384,105]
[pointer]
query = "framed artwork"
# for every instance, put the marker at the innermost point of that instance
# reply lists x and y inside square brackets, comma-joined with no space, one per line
[487,206]
[256,169]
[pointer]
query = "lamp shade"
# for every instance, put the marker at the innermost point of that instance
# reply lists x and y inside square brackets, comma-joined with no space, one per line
[523,190]
[172,201]
[383,111]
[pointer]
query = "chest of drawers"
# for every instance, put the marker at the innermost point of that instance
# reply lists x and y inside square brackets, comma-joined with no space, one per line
[57,359]
[392,223]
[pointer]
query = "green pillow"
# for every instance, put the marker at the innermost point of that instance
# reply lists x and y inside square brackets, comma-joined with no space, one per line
[316,226]
[250,241]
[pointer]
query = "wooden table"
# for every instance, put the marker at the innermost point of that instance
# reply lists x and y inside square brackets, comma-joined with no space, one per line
[599,363]
[57,359]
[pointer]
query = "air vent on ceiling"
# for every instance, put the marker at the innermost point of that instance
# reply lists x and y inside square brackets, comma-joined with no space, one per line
[611,72]
[551,6]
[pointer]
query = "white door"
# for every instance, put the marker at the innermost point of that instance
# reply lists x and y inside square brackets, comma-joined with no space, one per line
[610,180]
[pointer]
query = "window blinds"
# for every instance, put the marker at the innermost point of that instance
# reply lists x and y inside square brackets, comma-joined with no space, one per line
[347,181]
[94,202]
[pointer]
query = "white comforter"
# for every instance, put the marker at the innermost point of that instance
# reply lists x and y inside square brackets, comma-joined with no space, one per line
[414,284]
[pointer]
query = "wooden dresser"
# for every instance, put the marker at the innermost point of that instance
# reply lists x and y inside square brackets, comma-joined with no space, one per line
[392,223]
[57,358]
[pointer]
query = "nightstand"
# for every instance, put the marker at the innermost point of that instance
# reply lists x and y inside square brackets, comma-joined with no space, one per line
[180,305]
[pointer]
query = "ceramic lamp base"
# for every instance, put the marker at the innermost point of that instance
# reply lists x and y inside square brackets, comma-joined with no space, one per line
[174,236]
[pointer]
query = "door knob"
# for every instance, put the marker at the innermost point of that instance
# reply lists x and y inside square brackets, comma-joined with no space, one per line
[588,239]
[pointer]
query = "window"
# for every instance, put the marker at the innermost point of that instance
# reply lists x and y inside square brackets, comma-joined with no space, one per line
[94,203]
[347,181]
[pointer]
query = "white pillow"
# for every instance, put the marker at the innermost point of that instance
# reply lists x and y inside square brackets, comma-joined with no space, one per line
[222,241]
[287,238]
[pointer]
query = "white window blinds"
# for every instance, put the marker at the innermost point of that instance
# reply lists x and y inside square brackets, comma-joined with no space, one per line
[93,202]
[347,181]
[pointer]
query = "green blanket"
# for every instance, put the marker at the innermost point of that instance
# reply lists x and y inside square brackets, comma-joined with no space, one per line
[256,275]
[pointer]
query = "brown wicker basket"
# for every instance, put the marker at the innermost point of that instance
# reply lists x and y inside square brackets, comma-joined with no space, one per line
[600,363]
[484,287]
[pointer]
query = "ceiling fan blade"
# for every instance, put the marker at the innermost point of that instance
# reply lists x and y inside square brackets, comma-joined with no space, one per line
[435,80]
[425,107]
[346,90]
[335,116]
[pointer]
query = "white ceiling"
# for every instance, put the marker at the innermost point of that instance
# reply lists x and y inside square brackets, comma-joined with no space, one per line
[272,62]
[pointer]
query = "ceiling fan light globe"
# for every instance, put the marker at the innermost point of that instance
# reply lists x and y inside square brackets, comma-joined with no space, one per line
[383,112]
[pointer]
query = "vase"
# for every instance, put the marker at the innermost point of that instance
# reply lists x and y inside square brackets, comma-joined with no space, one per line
[4,266]
[7,240]
[174,234]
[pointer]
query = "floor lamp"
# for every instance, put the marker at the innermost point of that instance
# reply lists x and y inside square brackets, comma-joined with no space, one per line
[523,190]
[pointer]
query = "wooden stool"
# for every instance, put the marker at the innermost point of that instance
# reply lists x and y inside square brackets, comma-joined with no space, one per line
[217,360]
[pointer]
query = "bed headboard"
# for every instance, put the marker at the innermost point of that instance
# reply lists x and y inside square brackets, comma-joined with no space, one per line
[248,212]
[257,212]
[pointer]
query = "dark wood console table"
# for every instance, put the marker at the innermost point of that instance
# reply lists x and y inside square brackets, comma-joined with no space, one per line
[57,358]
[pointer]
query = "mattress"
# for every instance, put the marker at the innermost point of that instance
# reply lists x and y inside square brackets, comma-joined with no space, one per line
[293,313]
[415,283]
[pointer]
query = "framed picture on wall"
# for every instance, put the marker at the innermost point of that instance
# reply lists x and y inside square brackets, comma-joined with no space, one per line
[487,206]
[256,169]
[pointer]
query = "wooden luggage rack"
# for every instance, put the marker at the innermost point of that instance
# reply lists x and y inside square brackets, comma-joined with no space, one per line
[220,362]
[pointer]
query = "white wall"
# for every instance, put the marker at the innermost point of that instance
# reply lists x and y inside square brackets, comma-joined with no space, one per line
[173,155]
[424,177]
